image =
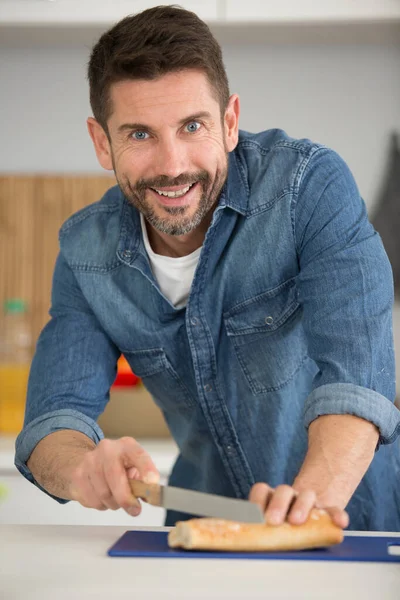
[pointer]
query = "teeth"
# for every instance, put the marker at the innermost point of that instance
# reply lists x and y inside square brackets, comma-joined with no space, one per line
[175,194]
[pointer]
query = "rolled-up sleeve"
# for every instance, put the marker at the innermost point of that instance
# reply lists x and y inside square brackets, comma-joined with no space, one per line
[346,291]
[71,374]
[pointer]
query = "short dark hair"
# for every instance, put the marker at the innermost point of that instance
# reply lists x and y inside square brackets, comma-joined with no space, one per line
[157,41]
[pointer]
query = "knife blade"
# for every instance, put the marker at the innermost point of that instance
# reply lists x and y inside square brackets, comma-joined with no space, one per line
[197,503]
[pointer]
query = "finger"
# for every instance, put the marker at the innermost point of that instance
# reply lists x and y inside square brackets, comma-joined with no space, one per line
[135,509]
[101,488]
[116,477]
[98,480]
[339,517]
[87,497]
[135,455]
[82,491]
[117,480]
[279,504]
[301,507]
[133,473]
[260,494]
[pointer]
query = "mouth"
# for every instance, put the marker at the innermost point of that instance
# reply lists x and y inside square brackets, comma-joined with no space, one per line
[175,195]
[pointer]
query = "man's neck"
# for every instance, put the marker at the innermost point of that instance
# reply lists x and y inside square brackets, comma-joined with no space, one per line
[177,245]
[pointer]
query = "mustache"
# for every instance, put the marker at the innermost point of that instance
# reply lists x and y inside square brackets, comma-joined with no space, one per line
[165,181]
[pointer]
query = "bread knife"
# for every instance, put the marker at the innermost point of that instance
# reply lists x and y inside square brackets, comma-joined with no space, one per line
[197,503]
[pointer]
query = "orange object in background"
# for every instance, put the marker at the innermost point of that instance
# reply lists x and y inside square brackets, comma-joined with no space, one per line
[13,387]
[125,377]
[15,360]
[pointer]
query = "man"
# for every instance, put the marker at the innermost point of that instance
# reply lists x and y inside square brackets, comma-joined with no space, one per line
[241,279]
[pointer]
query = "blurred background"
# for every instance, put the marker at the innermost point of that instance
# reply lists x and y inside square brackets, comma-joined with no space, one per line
[328,71]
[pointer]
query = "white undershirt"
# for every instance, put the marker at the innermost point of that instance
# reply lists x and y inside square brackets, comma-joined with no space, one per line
[174,275]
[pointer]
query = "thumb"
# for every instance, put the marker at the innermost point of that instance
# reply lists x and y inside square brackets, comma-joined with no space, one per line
[149,477]
[132,473]
[138,462]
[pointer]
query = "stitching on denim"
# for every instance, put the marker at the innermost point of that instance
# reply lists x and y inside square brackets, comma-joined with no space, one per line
[264,207]
[164,365]
[87,212]
[242,172]
[88,268]
[256,299]
[292,308]
[315,401]
[297,183]
[262,389]
[303,147]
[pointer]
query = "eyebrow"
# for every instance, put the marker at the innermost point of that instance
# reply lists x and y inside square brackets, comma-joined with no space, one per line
[143,126]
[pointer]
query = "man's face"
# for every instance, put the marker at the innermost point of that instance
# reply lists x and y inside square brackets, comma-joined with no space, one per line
[168,148]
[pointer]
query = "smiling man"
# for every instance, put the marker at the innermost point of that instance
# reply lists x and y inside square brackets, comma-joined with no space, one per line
[172,161]
[239,275]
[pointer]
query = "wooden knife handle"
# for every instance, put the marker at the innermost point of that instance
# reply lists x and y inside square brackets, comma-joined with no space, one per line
[149,492]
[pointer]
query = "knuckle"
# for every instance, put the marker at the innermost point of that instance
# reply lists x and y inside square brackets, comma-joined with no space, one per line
[261,487]
[105,496]
[260,492]
[313,495]
[90,501]
[307,496]
[78,474]
[284,489]
[128,441]
[104,445]
[141,452]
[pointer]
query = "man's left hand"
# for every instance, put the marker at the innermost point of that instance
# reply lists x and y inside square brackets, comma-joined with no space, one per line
[284,503]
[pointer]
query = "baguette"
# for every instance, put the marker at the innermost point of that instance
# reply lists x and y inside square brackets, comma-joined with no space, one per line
[218,534]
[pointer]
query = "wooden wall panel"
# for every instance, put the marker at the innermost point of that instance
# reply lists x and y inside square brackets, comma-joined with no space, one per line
[32,209]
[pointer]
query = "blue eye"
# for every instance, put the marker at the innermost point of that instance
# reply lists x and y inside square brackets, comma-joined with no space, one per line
[140,135]
[193,127]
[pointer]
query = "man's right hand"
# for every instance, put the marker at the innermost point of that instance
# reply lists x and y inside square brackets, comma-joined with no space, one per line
[101,479]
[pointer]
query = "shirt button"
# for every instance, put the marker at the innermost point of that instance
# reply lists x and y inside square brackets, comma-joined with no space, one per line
[194,321]
[269,320]
[207,387]
[126,253]
[229,449]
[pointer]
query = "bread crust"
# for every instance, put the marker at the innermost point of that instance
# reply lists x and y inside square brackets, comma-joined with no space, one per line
[217,534]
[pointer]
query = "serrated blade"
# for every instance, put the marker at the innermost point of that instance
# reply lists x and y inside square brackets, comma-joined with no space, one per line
[210,505]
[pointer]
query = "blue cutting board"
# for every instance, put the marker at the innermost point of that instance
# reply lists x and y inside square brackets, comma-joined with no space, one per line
[153,544]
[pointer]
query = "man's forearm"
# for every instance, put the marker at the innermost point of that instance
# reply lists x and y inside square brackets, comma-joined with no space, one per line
[55,456]
[340,450]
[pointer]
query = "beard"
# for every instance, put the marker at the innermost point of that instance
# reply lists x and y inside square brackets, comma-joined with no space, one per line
[176,221]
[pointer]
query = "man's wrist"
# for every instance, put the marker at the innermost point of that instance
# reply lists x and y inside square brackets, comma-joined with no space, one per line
[340,450]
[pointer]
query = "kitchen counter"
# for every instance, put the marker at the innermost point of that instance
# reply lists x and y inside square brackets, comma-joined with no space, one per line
[43,562]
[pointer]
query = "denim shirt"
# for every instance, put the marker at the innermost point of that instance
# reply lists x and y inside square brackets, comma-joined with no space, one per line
[289,317]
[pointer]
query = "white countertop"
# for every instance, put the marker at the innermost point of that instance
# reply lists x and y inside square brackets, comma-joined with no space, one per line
[39,562]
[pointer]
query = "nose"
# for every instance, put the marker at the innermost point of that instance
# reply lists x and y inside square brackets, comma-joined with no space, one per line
[171,159]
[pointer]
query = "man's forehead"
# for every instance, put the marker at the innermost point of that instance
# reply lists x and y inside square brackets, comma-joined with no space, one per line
[175,92]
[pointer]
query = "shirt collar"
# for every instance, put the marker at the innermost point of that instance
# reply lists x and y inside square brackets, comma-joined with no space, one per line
[235,192]
[234,195]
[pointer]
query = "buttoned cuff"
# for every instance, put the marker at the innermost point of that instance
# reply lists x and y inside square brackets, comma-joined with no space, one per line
[42,426]
[350,399]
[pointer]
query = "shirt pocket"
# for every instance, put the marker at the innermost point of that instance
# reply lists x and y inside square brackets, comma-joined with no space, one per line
[160,379]
[267,337]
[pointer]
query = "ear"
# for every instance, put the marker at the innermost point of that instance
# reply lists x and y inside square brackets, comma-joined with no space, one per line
[231,123]
[101,143]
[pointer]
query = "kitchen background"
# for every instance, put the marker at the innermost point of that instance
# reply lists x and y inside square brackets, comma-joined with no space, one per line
[330,73]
